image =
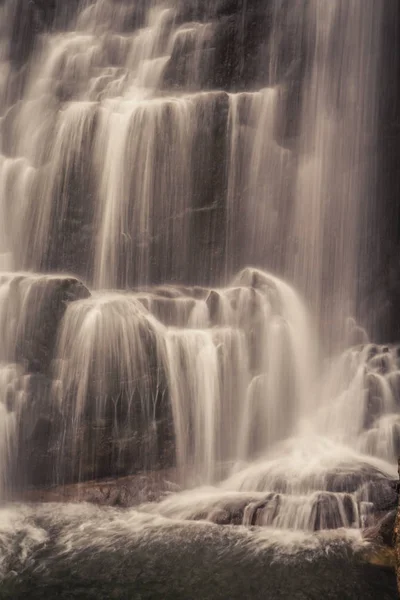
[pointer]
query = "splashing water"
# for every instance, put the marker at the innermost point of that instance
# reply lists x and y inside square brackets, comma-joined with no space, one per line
[130,167]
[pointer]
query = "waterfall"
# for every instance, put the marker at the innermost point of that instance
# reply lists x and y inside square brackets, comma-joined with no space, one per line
[190,174]
[338,128]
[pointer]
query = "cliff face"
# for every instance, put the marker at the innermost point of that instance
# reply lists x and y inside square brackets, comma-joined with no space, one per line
[237,56]
[223,47]
[384,277]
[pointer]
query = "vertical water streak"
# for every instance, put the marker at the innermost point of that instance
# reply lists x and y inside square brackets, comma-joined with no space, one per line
[144,191]
[258,174]
[10,397]
[193,373]
[335,177]
[110,385]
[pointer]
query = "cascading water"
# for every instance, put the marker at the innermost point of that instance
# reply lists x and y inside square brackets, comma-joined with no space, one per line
[132,159]
[338,129]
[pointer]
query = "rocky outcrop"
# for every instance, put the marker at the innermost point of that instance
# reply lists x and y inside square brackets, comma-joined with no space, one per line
[379,290]
[123,492]
[32,17]
[250,509]
[31,311]
[396,539]
[384,536]
[387,528]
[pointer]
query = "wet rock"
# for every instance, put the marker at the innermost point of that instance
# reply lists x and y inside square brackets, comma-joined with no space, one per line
[123,492]
[348,477]
[239,41]
[288,111]
[396,538]
[172,312]
[208,190]
[29,18]
[32,311]
[381,363]
[226,517]
[229,512]
[380,493]
[263,512]
[116,416]
[70,233]
[39,433]
[115,447]
[213,304]
[26,24]
[386,528]
[374,401]
[372,351]
[381,556]
[54,13]
[230,56]
[331,511]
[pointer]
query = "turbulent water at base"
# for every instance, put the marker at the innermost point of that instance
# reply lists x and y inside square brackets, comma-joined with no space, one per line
[128,161]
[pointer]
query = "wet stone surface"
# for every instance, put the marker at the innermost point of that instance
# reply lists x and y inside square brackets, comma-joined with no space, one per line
[87,552]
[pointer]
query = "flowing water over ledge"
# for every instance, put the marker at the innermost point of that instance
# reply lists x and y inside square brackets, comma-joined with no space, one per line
[182,361]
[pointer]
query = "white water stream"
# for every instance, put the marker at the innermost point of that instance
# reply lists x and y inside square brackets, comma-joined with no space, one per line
[141,188]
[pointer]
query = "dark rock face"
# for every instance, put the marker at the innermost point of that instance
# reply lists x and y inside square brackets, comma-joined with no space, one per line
[31,313]
[209,187]
[32,17]
[73,192]
[379,291]
[233,54]
[115,412]
[114,446]
[122,492]
[38,430]
[396,539]
[381,493]
[386,528]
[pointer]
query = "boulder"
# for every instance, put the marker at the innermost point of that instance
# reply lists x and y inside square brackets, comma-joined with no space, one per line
[381,493]
[38,433]
[386,528]
[123,492]
[396,539]
[31,310]
[112,390]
